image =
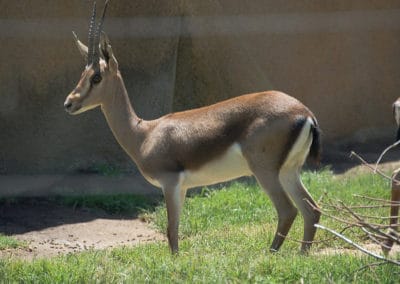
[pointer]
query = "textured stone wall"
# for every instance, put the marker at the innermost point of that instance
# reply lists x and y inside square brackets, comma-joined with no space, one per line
[340,58]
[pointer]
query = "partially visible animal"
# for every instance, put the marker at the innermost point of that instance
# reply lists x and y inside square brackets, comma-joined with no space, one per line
[395,193]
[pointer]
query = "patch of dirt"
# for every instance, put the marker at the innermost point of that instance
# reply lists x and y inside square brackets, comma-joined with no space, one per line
[50,229]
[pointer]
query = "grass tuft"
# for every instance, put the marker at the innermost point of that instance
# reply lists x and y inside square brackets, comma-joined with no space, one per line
[7,242]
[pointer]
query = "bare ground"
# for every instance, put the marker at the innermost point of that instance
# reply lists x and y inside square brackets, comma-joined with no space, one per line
[50,229]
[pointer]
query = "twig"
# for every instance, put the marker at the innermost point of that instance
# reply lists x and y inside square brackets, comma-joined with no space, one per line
[374,227]
[331,216]
[369,206]
[377,217]
[322,197]
[359,222]
[358,218]
[378,226]
[383,154]
[335,207]
[371,264]
[375,238]
[393,235]
[370,167]
[347,240]
[351,223]
[377,199]
[306,242]
[314,242]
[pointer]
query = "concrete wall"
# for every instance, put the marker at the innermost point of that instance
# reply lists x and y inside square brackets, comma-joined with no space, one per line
[341,58]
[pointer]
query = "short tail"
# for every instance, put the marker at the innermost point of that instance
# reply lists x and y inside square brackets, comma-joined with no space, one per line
[316,145]
[304,142]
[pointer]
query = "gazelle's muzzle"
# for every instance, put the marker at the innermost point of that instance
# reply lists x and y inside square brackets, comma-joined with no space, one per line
[72,104]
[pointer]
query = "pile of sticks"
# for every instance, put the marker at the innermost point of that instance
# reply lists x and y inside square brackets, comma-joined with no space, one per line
[358,219]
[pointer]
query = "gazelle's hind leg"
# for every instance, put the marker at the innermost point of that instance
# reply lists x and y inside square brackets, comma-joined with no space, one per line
[283,205]
[291,182]
[289,176]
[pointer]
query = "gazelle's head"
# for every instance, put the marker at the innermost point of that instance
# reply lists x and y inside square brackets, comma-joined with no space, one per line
[100,72]
[396,114]
[396,111]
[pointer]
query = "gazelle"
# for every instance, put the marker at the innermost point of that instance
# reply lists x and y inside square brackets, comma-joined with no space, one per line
[395,194]
[268,135]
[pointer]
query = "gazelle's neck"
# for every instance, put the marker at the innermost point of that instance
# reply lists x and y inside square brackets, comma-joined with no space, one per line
[126,126]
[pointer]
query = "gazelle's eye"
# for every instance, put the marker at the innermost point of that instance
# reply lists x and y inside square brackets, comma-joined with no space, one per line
[96,79]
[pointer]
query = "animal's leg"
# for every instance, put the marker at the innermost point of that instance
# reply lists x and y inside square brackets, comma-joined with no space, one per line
[174,199]
[283,205]
[291,182]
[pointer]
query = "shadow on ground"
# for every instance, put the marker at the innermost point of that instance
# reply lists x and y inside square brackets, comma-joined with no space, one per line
[21,215]
[49,229]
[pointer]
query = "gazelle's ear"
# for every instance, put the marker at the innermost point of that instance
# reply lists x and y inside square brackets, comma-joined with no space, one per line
[83,49]
[107,53]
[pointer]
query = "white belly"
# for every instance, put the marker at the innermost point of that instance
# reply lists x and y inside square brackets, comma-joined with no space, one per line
[229,166]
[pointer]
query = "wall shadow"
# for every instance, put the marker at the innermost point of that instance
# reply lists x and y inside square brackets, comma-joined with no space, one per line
[338,156]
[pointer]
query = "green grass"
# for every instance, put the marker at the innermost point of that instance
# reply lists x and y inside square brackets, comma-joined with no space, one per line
[7,242]
[225,236]
[112,204]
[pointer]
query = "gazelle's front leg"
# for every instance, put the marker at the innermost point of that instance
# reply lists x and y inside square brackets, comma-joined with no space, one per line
[174,198]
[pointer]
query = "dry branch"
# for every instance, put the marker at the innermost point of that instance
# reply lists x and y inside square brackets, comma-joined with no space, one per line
[377,199]
[383,154]
[349,216]
[357,246]
[364,163]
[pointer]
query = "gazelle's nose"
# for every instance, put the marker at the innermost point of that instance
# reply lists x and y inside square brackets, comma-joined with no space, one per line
[67,105]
